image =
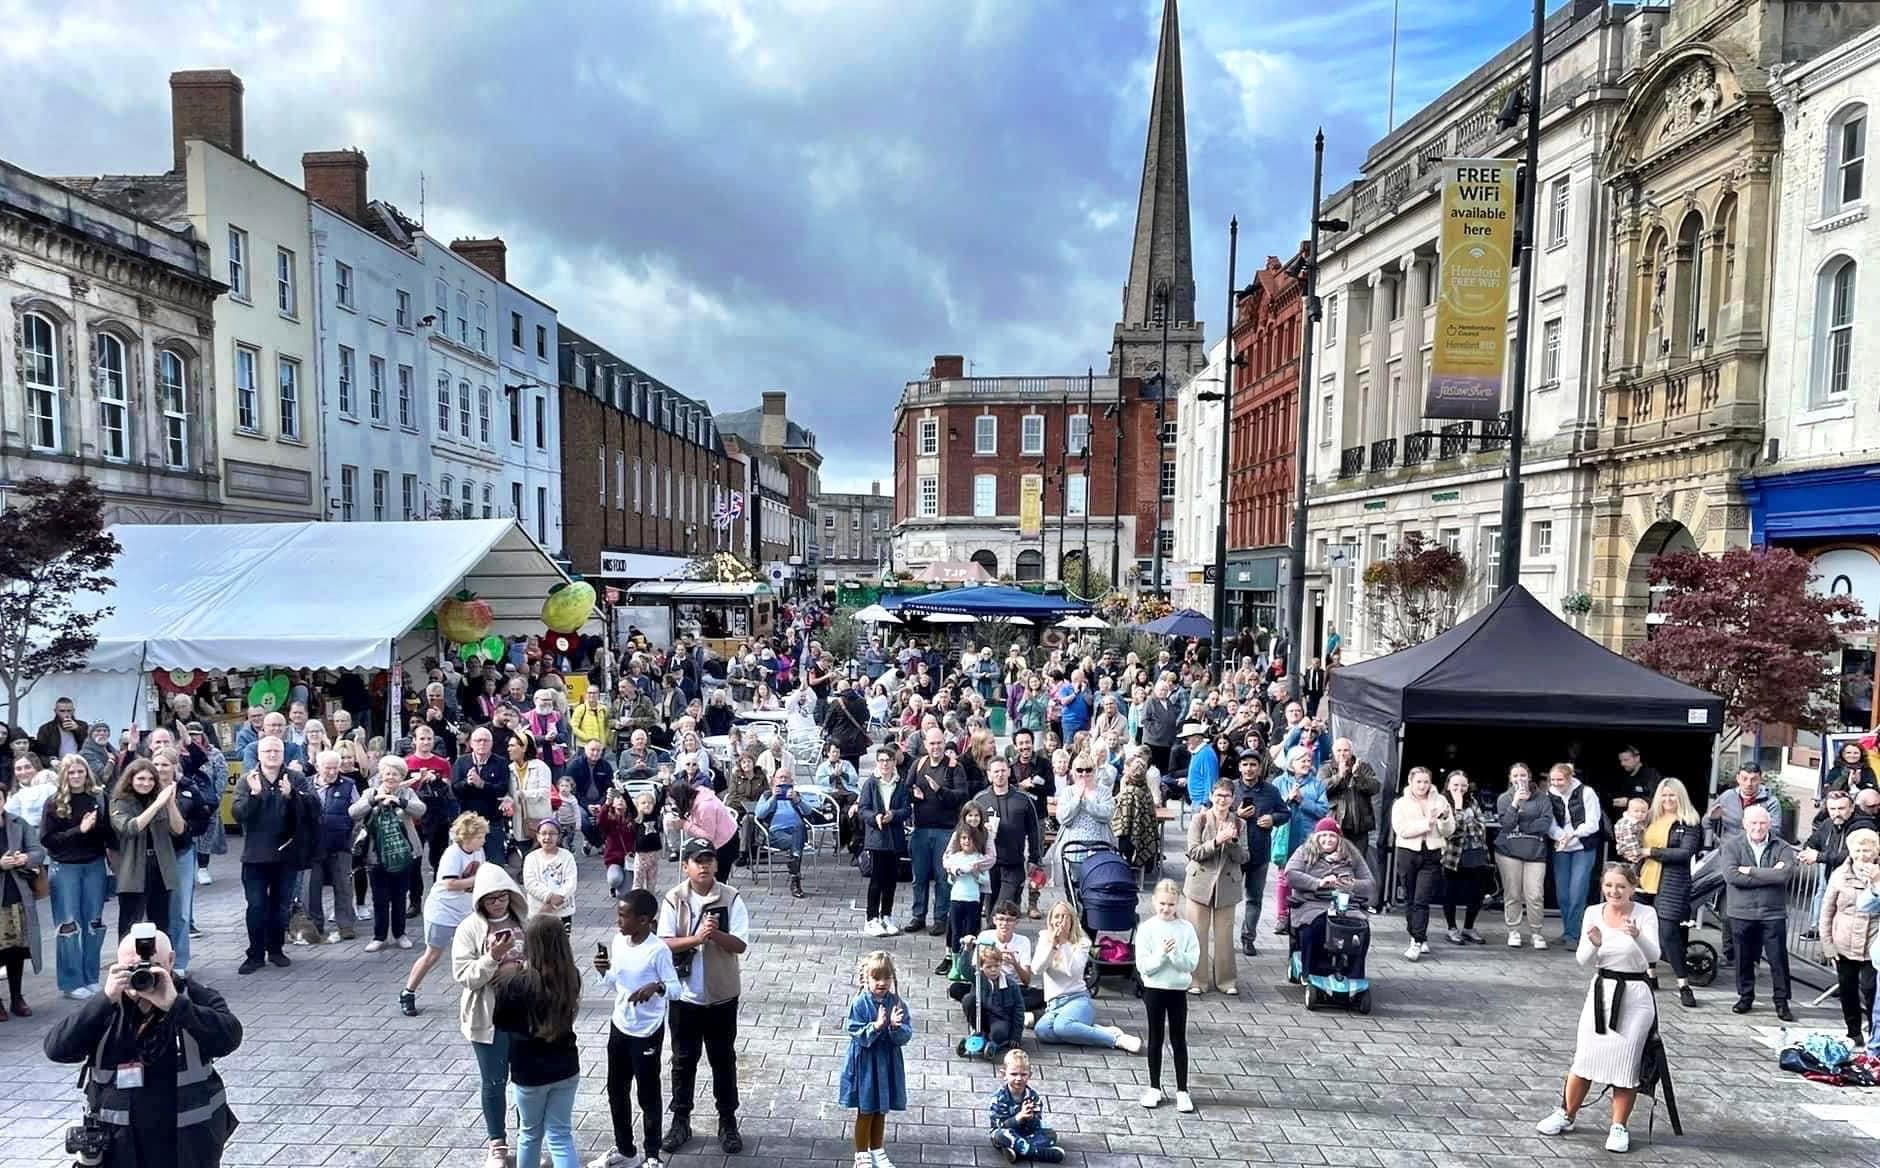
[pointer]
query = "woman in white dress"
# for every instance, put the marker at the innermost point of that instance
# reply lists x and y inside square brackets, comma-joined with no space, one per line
[1620,1011]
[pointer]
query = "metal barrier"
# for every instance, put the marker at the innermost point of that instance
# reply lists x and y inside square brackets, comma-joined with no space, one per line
[1804,912]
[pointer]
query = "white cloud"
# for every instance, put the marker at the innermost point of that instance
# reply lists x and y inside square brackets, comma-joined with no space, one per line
[1272,88]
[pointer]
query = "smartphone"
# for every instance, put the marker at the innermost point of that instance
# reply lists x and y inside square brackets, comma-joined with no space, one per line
[723,917]
[600,951]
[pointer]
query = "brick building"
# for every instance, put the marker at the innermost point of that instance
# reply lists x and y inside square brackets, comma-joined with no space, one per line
[965,448]
[643,469]
[1268,319]
[787,470]
[852,540]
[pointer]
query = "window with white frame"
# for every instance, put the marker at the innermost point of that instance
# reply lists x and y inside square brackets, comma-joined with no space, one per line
[114,427]
[1077,433]
[1326,407]
[1168,478]
[40,355]
[347,405]
[620,479]
[285,296]
[348,493]
[1847,158]
[1491,556]
[1451,538]
[541,515]
[343,284]
[443,405]
[381,487]
[1541,537]
[288,384]
[1166,538]
[985,495]
[402,315]
[541,342]
[375,388]
[463,319]
[440,292]
[173,400]
[1331,320]
[636,485]
[1559,203]
[1550,352]
[489,501]
[515,413]
[602,455]
[1077,495]
[483,327]
[515,500]
[1834,326]
[247,389]
[1169,431]
[985,434]
[469,495]
[665,495]
[929,441]
[1031,434]
[407,408]
[483,415]
[929,495]
[463,409]
[541,422]
[408,495]
[237,263]
[515,330]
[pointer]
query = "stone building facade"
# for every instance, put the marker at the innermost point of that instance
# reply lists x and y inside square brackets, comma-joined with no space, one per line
[854,541]
[107,354]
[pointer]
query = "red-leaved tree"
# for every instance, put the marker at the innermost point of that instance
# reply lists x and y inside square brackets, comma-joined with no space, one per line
[1746,626]
[53,549]
[1414,592]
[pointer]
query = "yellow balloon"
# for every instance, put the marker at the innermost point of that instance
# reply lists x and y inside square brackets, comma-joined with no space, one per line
[568,607]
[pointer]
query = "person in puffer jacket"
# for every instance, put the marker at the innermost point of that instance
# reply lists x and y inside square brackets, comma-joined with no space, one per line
[332,856]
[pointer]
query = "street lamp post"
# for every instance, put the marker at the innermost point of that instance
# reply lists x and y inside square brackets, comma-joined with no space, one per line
[1524,255]
[1296,559]
[1227,424]
[1163,295]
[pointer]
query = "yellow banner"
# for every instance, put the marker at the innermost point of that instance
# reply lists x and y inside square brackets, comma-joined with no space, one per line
[1031,506]
[1470,346]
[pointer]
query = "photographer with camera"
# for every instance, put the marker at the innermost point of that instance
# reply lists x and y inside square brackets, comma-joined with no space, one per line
[149,1043]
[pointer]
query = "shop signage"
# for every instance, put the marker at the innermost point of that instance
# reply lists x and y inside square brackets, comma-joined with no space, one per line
[1031,506]
[1445,496]
[1470,347]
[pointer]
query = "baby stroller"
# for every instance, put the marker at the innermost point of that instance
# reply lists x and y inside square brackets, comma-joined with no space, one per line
[1103,895]
[1700,957]
[1347,933]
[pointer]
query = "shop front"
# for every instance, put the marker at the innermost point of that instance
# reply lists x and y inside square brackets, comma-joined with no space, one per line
[1253,589]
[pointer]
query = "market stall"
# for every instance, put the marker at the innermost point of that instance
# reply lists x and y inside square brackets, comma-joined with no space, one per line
[723,615]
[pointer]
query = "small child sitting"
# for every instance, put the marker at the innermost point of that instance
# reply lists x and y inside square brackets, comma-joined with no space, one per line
[1628,831]
[1017,1115]
[995,1006]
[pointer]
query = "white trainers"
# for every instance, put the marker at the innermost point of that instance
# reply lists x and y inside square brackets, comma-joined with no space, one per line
[1151,1097]
[77,995]
[612,1159]
[1618,1139]
[203,877]
[1558,1123]
[1514,940]
[1413,952]
[888,927]
[374,946]
[1423,947]
[332,937]
[872,928]
[864,1160]
[1540,942]
[1184,1102]
[404,942]
[881,1158]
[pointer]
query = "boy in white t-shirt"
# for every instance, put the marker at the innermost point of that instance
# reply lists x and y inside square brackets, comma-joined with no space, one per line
[638,965]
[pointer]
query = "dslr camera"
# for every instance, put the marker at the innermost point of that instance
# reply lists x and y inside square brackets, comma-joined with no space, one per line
[87,1143]
[143,974]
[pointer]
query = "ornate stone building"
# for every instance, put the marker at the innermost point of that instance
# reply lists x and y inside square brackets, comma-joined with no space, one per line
[106,357]
[1691,170]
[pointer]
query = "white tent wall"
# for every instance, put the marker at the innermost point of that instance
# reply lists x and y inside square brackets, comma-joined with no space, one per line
[117,699]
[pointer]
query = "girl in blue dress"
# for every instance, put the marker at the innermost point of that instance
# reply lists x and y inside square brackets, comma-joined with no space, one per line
[874,1080]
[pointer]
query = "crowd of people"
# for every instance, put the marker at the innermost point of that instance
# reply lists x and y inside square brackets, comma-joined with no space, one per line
[465,824]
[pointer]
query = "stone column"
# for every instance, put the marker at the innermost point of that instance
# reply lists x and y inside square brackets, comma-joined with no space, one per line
[1377,417]
[1417,277]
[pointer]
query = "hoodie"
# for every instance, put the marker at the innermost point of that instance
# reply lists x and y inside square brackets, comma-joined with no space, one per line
[471,965]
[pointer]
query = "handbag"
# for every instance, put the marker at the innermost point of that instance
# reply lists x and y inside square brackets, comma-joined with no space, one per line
[42,883]
[865,863]
[1475,858]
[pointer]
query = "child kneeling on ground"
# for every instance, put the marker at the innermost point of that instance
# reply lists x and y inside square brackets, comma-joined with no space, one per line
[1017,1115]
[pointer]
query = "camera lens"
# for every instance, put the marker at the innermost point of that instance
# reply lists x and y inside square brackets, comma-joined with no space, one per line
[143,978]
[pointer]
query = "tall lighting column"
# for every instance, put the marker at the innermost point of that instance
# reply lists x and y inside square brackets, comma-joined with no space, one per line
[1524,255]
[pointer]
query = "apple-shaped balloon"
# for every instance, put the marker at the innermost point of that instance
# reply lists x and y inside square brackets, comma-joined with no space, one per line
[463,619]
[568,606]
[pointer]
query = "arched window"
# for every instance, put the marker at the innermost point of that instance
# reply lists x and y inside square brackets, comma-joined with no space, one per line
[173,400]
[1846,159]
[463,408]
[1834,330]
[40,352]
[1691,289]
[114,427]
[1031,564]
[988,561]
[443,497]
[469,500]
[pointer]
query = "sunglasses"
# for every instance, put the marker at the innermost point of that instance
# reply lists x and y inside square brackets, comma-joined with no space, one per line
[1084,770]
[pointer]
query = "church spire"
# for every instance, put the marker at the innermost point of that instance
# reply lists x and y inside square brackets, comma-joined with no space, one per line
[1161,252]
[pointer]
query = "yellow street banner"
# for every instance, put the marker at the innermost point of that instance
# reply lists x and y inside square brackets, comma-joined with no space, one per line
[1470,347]
[1031,506]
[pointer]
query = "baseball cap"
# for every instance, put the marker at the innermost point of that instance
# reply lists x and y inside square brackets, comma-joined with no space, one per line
[695,847]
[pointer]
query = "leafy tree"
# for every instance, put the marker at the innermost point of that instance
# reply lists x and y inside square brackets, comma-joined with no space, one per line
[1746,626]
[721,568]
[1414,591]
[53,549]
[1084,581]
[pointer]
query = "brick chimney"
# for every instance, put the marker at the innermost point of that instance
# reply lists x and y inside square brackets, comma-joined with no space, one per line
[336,179]
[874,488]
[205,103]
[947,365]
[492,255]
[776,423]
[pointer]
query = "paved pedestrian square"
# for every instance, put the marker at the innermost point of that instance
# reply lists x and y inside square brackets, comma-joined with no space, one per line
[1464,1053]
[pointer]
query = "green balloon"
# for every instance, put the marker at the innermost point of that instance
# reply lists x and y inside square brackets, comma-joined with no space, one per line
[468,652]
[495,646]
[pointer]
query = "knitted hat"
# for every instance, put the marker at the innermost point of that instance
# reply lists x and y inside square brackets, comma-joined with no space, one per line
[1328,824]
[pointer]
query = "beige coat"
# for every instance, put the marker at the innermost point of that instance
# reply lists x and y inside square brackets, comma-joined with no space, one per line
[1845,930]
[1213,876]
[471,965]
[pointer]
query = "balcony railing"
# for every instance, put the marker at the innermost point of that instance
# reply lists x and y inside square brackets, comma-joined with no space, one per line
[1416,447]
[1496,432]
[1383,454]
[1351,462]
[1455,440]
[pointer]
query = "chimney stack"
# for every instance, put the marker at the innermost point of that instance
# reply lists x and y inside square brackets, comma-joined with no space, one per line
[207,104]
[946,366]
[874,488]
[774,429]
[492,255]
[336,179]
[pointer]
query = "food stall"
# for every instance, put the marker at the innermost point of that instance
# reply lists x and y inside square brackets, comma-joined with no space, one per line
[722,615]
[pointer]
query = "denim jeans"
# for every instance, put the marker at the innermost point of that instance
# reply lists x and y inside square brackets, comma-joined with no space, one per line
[1071,1020]
[929,846]
[78,900]
[545,1115]
[493,1073]
[183,904]
[1573,872]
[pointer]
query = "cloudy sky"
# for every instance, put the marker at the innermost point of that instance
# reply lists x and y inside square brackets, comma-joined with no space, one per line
[740,195]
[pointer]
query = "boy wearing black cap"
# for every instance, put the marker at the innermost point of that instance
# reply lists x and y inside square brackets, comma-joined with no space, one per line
[1261,807]
[707,926]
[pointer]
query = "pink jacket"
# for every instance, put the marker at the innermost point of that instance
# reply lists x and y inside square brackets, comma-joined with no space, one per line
[711,819]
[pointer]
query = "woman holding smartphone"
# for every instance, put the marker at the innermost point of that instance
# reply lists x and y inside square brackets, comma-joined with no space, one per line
[487,941]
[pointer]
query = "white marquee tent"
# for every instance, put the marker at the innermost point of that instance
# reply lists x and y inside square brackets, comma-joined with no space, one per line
[292,595]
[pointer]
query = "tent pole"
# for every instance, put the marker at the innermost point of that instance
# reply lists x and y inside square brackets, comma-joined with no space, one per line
[394,698]
[143,679]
